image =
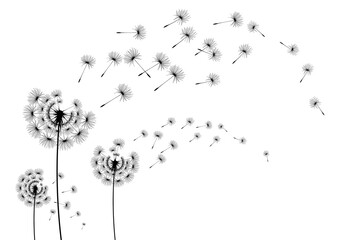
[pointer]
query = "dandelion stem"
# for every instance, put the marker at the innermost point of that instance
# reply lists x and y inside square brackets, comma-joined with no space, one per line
[211,144]
[165,150]
[148,69]
[240,55]
[200,50]
[154,164]
[201,83]
[142,68]
[200,126]
[304,75]
[109,101]
[82,73]
[154,143]
[284,45]
[192,139]
[321,111]
[183,38]
[125,32]
[106,69]
[260,32]
[34,217]
[183,126]
[57,178]
[51,215]
[222,22]
[113,203]
[163,83]
[170,23]
[137,137]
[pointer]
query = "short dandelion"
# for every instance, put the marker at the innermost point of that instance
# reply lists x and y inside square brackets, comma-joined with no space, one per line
[114,58]
[212,80]
[266,154]
[241,140]
[172,145]
[216,139]
[189,122]
[207,125]
[132,56]
[160,159]
[52,212]
[181,16]
[123,92]
[170,121]
[236,20]
[208,44]
[244,51]
[87,61]
[307,70]
[254,27]
[143,134]
[187,34]
[315,103]
[73,189]
[138,32]
[161,61]
[77,214]
[221,127]
[195,137]
[157,136]
[293,49]
[175,74]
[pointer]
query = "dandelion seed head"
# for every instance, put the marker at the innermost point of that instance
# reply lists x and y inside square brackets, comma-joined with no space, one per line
[245,50]
[217,139]
[35,96]
[188,33]
[173,144]
[208,124]
[162,60]
[213,79]
[161,158]
[209,43]
[88,60]
[131,56]
[252,26]
[237,19]
[182,16]
[144,133]
[215,55]
[140,32]
[293,49]
[307,69]
[158,134]
[124,91]
[177,73]
[115,57]
[190,121]
[266,153]
[314,102]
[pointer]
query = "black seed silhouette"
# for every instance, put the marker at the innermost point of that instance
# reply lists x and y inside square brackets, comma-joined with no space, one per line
[157,136]
[196,136]
[87,61]
[187,34]
[172,145]
[208,44]
[241,140]
[139,32]
[244,51]
[253,27]
[292,49]
[77,214]
[73,189]
[221,127]
[307,70]
[132,56]
[181,17]
[123,92]
[207,125]
[160,60]
[315,103]
[266,154]
[52,212]
[175,73]
[213,54]
[216,139]
[143,134]
[170,121]
[161,159]
[114,58]
[212,80]
[236,20]
[189,122]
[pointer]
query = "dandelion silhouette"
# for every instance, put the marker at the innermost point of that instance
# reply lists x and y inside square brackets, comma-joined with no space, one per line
[60,176]
[221,127]
[87,61]
[114,58]
[266,154]
[139,32]
[52,212]
[172,145]
[175,73]
[196,137]
[315,103]
[123,92]
[214,54]
[157,136]
[236,20]
[77,214]
[160,60]
[32,192]
[73,189]
[143,134]
[188,34]
[189,122]
[292,49]
[253,27]
[170,121]
[83,225]
[212,80]
[160,159]
[132,56]
[57,126]
[241,140]
[208,44]
[244,51]
[216,139]
[114,170]
[181,17]
[307,70]
[66,205]
[207,125]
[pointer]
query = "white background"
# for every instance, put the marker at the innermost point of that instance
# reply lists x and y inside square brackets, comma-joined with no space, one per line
[228,191]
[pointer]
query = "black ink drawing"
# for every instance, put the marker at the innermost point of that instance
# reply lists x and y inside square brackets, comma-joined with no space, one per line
[187,34]
[189,122]
[170,121]
[161,159]
[157,136]
[212,80]
[66,205]
[244,51]
[143,134]
[241,140]
[114,58]
[52,212]
[253,27]
[292,49]
[172,145]
[77,214]
[160,60]
[132,56]
[60,176]
[236,20]
[208,44]
[114,170]
[83,225]
[181,16]
[139,32]
[175,73]
[266,154]
[221,127]
[87,61]
[73,189]
[216,139]
[57,126]
[32,192]
[196,137]
[307,70]
[123,92]
[315,103]
[207,125]
[213,54]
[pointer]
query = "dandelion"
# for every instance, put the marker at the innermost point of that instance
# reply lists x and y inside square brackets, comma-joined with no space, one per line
[132,56]
[208,44]
[189,122]
[214,54]
[207,125]
[221,127]
[181,17]
[87,61]
[60,176]
[143,134]
[118,144]
[212,80]
[241,140]
[77,214]
[114,58]
[292,49]
[188,34]
[83,225]
[307,70]
[66,205]
[157,136]
[32,192]
[160,159]
[216,139]
[123,92]
[244,51]
[73,189]
[160,60]
[236,20]
[139,32]
[253,27]
[172,145]
[175,73]
[52,212]
[266,154]
[170,121]
[315,103]
[196,137]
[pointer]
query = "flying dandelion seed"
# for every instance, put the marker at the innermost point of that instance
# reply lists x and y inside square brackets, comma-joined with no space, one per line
[66,205]
[118,144]
[175,73]
[208,44]
[77,214]
[207,125]
[236,20]
[244,51]
[87,61]
[83,225]
[241,140]
[266,154]
[307,70]
[161,159]
[60,176]
[114,58]
[181,17]
[132,56]
[189,122]
[216,139]
[188,34]
[221,127]
[157,136]
[293,49]
[212,80]
[52,212]
[139,32]
[172,145]
[143,134]
[213,54]
[315,103]
[170,121]
[73,189]
[253,27]
[123,92]
[196,137]
[160,60]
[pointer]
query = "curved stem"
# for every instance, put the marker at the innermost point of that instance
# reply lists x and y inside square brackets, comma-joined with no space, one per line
[34,217]
[57,179]
[113,205]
